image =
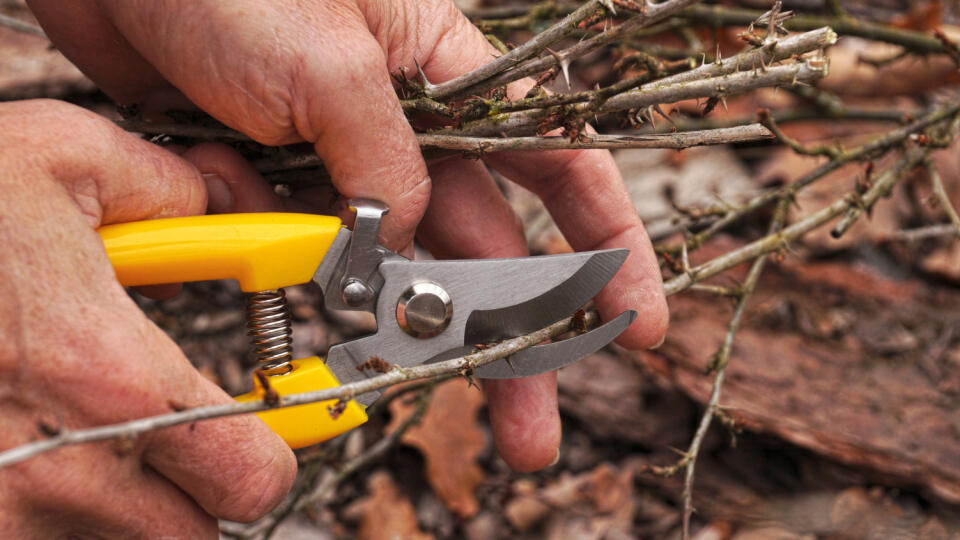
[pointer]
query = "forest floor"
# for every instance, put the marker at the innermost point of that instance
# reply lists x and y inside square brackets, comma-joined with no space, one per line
[841,407]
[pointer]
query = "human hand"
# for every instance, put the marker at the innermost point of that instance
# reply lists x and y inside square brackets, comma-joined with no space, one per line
[320,72]
[77,352]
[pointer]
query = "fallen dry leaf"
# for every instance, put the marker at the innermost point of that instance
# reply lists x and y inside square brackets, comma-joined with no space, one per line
[603,498]
[385,513]
[524,511]
[450,441]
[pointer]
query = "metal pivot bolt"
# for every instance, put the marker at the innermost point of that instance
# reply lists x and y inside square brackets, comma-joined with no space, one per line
[424,310]
[364,255]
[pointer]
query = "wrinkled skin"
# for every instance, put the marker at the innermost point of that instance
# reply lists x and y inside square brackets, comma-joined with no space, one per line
[281,72]
[78,352]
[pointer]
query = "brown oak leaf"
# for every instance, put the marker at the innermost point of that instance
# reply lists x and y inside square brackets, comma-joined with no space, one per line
[385,513]
[450,440]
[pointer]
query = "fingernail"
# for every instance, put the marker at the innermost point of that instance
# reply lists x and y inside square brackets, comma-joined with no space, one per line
[659,343]
[555,459]
[219,196]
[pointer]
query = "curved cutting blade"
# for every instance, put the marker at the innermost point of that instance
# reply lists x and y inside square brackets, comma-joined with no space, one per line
[595,270]
[544,358]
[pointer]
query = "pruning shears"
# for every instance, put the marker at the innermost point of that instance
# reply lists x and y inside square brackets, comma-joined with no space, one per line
[426,311]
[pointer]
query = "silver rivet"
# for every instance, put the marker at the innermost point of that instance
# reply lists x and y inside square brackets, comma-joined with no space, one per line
[424,310]
[356,293]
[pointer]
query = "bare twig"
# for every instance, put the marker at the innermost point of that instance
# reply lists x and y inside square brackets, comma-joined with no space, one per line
[134,428]
[880,145]
[830,151]
[881,188]
[941,194]
[719,365]
[944,230]
[323,490]
[311,494]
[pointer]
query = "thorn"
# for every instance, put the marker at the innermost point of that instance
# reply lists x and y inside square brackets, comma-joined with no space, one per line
[467,373]
[423,76]
[651,117]
[564,64]
[336,409]
[270,395]
[665,116]
[510,363]
[609,5]
[723,99]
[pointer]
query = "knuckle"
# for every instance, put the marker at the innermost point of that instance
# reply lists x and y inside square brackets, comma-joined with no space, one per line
[313,80]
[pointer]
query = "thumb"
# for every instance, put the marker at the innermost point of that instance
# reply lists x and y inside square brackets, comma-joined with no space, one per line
[111,175]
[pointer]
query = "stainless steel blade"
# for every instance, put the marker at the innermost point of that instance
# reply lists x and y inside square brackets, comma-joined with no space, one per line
[520,318]
[544,358]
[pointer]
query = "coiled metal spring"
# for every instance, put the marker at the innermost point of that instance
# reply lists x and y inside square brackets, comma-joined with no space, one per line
[269,328]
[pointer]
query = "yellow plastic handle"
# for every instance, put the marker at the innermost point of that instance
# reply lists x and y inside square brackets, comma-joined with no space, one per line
[261,251]
[308,424]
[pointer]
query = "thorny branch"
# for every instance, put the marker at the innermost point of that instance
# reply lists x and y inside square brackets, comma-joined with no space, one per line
[654,13]
[457,86]
[473,145]
[528,122]
[462,365]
